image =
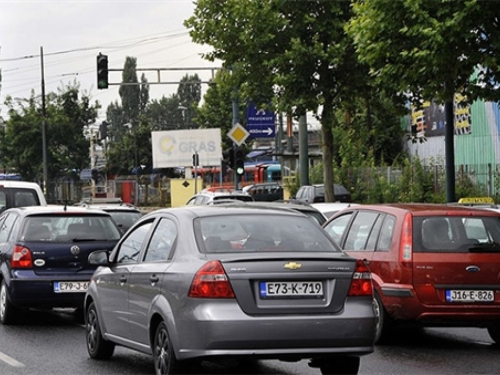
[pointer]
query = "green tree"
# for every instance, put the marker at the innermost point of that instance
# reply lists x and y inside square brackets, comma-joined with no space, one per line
[68,113]
[189,93]
[294,52]
[432,49]
[217,108]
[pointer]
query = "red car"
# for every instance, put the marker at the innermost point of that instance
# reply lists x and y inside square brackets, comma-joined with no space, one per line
[432,265]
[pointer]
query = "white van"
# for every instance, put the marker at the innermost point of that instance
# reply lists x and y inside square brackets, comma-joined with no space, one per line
[20,194]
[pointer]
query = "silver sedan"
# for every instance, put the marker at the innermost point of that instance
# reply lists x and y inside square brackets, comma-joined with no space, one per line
[211,283]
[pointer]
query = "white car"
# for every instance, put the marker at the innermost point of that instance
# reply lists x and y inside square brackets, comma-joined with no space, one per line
[328,209]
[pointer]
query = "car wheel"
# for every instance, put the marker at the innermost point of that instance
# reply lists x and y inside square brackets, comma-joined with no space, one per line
[385,326]
[7,310]
[97,346]
[341,366]
[494,333]
[163,353]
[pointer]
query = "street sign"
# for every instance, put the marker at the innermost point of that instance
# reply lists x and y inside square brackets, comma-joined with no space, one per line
[261,123]
[238,134]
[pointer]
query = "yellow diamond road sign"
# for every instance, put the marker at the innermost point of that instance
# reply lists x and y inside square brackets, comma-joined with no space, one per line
[238,134]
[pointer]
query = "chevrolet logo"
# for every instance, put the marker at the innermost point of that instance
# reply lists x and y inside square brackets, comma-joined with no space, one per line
[292,266]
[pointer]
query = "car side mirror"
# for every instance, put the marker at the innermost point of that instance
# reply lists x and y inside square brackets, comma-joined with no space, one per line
[99,258]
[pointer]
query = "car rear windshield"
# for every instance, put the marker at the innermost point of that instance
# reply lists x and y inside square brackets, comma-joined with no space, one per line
[456,234]
[256,233]
[68,228]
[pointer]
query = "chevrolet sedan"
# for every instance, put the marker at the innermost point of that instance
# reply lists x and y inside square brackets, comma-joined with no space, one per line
[215,283]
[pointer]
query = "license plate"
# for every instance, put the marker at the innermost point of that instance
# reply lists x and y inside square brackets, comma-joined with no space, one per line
[469,296]
[70,286]
[301,289]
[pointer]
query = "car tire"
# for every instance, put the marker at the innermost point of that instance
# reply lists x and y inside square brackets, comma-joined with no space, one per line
[163,353]
[8,311]
[494,333]
[341,366]
[97,346]
[385,325]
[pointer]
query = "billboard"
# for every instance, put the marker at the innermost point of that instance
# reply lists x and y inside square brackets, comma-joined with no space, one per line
[176,148]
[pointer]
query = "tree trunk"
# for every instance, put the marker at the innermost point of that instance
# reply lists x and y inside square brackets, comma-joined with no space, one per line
[327,120]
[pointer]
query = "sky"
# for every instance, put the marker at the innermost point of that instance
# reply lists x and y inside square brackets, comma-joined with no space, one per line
[72,33]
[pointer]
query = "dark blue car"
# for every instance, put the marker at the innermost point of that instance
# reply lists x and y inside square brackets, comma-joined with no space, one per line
[43,256]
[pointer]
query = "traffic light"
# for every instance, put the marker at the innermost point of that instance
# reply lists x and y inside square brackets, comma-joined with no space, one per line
[239,161]
[196,160]
[102,71]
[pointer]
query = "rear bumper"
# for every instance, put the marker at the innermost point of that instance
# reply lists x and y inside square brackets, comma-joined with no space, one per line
[39,292]
[406,307]
[221,330]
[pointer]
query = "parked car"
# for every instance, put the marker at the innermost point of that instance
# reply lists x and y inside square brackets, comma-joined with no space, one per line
[124,214]
[208,198]
[20,194]
[330,208]
[228,282]
[433,265]
[43,256]
[265,191]
[316,193]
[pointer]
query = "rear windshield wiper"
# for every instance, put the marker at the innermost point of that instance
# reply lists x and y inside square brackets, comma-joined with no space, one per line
[485,248]
[83,239]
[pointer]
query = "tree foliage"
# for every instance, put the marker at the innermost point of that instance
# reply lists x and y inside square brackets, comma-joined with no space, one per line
[419,45]
[68,113]
[295,53]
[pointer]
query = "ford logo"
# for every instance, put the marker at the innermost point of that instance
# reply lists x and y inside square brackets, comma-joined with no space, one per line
[39,262]
[473,269]
[75,250]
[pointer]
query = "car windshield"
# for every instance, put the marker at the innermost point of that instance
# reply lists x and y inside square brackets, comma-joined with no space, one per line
[125,218]
[255,233]
[67,228]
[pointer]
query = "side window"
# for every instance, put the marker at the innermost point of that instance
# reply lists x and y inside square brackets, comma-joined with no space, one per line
[3,201]
[375,233]
[162,241]
[131,247]
[25,198]
[386,233]
[360,230]
[337,227]
[6,225]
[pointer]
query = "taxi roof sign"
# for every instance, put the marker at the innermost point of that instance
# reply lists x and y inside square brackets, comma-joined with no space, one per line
[477,201]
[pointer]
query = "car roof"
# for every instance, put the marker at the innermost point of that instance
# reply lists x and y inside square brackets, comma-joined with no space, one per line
[54,209]
[223,209]
[421,209]
[113,207]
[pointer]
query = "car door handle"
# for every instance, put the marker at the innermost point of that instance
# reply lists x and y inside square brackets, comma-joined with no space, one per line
[154,278]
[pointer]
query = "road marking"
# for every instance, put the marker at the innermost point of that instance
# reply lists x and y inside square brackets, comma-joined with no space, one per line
[10,361]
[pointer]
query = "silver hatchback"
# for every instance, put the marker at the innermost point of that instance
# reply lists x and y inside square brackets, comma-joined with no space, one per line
[212,282]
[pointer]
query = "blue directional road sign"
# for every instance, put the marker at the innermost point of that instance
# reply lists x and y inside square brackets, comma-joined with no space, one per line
[260,123]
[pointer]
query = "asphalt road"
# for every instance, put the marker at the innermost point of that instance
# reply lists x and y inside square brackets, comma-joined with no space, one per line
[54,344]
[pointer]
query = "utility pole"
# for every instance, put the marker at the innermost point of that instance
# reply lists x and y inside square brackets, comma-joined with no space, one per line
[44,135]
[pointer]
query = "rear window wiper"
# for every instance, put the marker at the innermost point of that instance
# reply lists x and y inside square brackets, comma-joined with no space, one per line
[83,239]
[485,248]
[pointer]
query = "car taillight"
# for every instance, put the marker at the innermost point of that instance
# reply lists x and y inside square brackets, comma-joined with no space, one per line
[211,282]
[21,257]
[361,283]
[406,245]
